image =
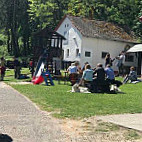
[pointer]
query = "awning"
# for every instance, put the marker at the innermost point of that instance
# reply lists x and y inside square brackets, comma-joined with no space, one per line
[136,48]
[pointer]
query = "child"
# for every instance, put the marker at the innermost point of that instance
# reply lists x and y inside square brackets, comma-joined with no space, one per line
[132,76]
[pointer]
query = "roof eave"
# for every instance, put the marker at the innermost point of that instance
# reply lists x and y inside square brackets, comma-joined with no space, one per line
[104,38]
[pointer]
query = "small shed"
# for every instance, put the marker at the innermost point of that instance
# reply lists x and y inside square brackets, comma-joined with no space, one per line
[50,40]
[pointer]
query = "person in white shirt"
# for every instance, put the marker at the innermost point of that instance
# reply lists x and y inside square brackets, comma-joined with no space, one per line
[120,64]
[72,69]
[73,73]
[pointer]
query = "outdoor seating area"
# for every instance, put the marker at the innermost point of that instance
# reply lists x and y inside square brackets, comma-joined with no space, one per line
[71,71]
[61,96]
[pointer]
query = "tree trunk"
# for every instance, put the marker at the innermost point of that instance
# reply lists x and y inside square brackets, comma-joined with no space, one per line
[8,41]
[14,37]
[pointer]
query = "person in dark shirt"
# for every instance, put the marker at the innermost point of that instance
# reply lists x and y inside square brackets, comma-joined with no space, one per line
[84,66]
[100,83]
[100,73]
[17,68]
[108,60]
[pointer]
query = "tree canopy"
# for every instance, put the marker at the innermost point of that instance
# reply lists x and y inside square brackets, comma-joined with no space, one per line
[20,18]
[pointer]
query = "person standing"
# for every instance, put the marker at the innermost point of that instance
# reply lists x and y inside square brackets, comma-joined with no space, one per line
[120,64]
[108,60]
[17,68]
[3,68]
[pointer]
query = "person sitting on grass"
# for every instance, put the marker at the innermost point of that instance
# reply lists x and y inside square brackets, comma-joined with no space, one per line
[132,77]
[100,84]
[87,77]
[110,77]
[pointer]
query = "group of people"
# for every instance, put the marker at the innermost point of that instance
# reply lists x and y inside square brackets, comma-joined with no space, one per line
[99,78]
[16,66]
[120,62]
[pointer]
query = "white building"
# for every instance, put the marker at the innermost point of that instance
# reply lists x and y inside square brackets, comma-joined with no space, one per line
[90,40]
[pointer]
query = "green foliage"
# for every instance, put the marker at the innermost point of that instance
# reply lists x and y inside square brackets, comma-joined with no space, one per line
[124,13]
[43,13]
[132,135]
[3,48]
[20,18]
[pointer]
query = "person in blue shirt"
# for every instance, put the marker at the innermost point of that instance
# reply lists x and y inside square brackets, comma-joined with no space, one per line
[87,73]
[87,77]
[110,77]
[109,72]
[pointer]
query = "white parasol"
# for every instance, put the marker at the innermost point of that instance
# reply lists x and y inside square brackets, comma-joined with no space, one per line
[136,48]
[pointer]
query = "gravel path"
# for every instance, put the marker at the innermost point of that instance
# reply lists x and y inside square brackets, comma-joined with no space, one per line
[24,122]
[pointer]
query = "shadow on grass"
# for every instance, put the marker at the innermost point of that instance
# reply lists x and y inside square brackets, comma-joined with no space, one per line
[5,138]
[121,93]
[6,80]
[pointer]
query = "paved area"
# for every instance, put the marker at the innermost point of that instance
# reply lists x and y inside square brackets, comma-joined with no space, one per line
[23,121]
[133,121]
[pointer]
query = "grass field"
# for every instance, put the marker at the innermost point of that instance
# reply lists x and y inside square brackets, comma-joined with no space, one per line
[78,105]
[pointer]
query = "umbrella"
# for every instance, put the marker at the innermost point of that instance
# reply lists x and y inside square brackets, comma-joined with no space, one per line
[136,48]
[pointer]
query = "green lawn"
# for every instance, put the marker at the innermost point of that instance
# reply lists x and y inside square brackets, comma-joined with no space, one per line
[10,72]
[79,105]
[9,75]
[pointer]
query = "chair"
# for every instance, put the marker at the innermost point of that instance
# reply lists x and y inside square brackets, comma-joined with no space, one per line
[73,77]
